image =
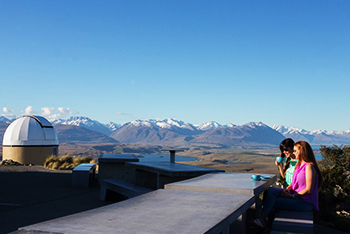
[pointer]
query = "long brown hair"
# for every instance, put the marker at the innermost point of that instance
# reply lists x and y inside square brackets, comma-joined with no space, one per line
[307,155]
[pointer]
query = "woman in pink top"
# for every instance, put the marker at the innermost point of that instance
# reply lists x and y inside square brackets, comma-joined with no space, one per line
[301,194]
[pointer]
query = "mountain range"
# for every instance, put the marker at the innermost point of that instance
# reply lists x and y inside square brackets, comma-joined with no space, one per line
[173,132]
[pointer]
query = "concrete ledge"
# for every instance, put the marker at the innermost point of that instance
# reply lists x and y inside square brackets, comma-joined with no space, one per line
[172,169]
[117,158]
[236,183]
[160,211]
[294,221]
[122,187]
[83,174]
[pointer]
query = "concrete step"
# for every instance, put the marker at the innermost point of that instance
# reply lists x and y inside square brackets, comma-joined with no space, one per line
[294,221]
[121,187]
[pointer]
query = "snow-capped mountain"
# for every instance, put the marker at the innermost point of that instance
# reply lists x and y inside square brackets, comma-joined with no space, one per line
[288,130]
[247,134]
[230,125]
[112,126]
[155,131]
[4,119]
[208,126]
[173,131]
[169,123]
[84,122]
[315,137]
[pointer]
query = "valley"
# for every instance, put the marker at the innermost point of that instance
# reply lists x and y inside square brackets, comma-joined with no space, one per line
[234,159]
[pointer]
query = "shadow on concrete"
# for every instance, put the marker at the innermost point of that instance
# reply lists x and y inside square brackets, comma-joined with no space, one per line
[32,197]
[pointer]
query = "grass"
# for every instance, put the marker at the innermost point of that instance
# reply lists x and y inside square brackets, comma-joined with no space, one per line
[66,162]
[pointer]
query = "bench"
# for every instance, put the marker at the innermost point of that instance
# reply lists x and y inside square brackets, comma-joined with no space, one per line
[121,187]
[83,175]
[287,221]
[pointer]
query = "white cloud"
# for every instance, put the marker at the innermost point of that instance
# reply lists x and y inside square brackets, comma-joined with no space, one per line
[121,113]
[55,116]
[8,113]
[47,110]
[6,110]
[63,112]
[29,110]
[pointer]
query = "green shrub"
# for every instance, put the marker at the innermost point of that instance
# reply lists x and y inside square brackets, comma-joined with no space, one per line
[334,192]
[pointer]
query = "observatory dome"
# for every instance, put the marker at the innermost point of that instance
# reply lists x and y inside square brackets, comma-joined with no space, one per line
[30,131]
[30,140]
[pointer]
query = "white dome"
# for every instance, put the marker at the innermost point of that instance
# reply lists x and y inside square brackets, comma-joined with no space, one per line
[30,131]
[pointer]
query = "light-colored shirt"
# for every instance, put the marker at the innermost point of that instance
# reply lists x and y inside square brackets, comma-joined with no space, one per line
[290,171]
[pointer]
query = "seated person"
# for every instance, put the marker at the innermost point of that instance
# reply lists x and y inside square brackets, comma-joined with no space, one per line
[300,195]
[286,169]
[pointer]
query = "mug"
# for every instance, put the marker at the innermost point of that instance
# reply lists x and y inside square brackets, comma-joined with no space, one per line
[280,159]
[256,177]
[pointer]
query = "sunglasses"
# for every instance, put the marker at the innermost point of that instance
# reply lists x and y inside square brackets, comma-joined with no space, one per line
[285,149]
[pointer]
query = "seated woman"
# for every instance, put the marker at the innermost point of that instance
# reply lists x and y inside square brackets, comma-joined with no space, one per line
[286,169]
[300,195]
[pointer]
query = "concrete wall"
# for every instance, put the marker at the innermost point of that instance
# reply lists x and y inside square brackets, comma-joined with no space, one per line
[115,170]
[29,155]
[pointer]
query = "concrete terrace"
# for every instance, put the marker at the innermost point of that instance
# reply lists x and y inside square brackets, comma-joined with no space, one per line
[32,195]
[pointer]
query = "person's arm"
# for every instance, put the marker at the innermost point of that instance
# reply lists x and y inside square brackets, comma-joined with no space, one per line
[310,174]
[280,168]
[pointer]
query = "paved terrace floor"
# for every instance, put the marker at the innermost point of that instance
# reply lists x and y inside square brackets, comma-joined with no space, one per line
[34,194]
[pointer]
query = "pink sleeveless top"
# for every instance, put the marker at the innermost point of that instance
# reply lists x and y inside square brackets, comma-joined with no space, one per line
[299,183]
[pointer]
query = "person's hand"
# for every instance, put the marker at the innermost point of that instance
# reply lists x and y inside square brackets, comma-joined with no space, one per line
[278,164]
[286,193]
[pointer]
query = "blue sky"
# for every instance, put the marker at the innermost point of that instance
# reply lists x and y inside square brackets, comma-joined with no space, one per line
[278,62]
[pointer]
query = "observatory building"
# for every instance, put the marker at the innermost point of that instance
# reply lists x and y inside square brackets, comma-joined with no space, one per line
[29,140]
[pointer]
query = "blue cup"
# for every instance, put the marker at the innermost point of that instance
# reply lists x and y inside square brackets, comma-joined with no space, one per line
[256,177]
[280,159]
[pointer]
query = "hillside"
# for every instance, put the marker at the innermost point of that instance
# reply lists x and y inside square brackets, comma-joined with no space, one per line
[76,134]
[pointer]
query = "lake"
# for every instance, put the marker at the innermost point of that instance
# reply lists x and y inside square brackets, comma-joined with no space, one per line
[163,158]
[318,155]
[166,158]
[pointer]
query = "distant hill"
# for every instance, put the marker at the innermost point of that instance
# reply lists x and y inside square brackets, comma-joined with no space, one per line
[88,123]
[178,133]
[76,134]
[151,133]
[154,135]
[316,137]
[248,134]
[3,126]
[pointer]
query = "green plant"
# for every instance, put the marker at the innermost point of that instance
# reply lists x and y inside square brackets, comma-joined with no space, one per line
[334,192]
